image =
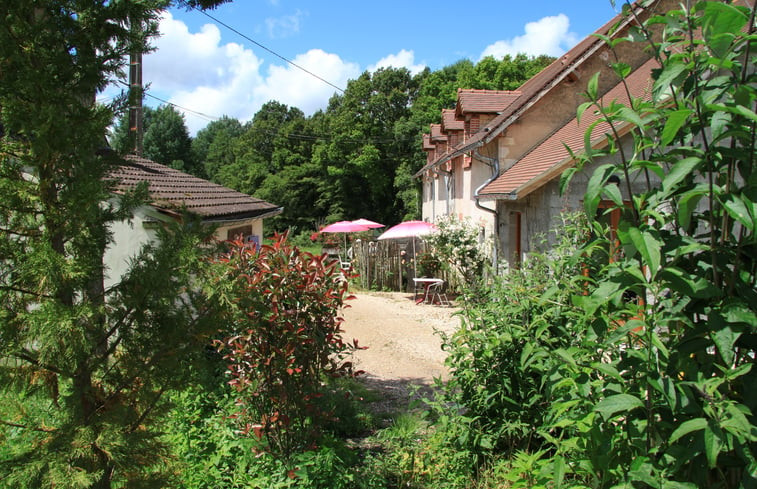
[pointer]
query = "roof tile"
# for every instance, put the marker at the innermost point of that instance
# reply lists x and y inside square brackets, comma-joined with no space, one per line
[551,151]
[437,134]
[172,189]
[450,122]
[484,101]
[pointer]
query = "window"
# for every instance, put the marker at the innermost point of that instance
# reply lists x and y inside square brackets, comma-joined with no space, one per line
[244,234]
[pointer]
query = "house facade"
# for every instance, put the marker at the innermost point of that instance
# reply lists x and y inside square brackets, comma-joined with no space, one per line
[233,213]
[511,164]
[450,183]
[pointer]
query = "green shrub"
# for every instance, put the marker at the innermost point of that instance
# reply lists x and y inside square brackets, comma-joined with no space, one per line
[285,337]
[510,343]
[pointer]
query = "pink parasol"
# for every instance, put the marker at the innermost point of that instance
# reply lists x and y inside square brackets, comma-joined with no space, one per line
[408,229]
[344,227]
[366,222]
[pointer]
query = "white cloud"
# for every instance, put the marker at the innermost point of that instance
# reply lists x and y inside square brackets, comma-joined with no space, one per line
[403,59]
[197,72]
[184,59]
[294,87]
[548,35]
[284,26]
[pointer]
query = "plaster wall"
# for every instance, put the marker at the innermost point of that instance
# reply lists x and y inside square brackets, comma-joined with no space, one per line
[541,209]
[454,194]
[129,237]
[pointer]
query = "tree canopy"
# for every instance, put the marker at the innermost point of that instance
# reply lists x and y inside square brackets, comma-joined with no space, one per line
[354,159]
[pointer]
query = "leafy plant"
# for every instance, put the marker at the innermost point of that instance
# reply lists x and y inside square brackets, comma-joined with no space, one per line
[630,362]
[511,341]
[285,337]
[665,395]
[458,247]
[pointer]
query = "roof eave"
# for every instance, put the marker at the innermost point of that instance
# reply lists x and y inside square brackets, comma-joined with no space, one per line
[446,157]
[262,214]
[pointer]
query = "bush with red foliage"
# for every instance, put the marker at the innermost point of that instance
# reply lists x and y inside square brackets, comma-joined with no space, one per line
[283,307]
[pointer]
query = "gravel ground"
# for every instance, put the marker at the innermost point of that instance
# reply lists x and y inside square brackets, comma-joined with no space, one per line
[404,348]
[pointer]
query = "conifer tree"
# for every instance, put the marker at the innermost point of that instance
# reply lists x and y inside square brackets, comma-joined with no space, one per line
[83,367]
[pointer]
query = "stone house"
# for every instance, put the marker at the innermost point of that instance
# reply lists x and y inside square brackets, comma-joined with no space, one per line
[233,213]
[510,165]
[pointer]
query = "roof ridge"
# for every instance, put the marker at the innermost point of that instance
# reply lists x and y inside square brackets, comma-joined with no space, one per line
[486,90]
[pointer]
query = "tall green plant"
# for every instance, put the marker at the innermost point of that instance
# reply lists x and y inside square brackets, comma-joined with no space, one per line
[512,340]
[83,366]
[663,396]
[286,336]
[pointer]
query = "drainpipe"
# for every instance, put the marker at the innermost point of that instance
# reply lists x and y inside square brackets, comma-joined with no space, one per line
[492,163]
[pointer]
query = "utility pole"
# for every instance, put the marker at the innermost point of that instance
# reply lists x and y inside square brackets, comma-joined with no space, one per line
[136,126]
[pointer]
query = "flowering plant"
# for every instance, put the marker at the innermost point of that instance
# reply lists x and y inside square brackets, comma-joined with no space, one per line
[428,264]
[459,247]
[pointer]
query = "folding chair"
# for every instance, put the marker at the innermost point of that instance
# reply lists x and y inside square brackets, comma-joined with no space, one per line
[437,294]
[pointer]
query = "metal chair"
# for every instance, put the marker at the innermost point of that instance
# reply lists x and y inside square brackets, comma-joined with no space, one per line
[436,294]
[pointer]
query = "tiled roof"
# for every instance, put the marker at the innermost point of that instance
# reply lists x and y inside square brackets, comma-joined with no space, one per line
[437,134]
[171,190]
[544,161]
[530,92]
[484,101]
[534,87]
[450,122]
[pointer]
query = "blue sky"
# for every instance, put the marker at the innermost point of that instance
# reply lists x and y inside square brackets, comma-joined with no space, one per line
[208,69]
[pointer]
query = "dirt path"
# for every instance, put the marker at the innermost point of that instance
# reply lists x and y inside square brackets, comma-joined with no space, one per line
[404,349]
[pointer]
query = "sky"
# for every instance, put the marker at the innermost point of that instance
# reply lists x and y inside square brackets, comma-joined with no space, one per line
[208,70]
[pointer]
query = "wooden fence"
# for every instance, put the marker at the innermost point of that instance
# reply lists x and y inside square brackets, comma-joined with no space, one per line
[378,264]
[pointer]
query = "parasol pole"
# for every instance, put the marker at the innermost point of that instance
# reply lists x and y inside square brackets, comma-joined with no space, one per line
[415,261]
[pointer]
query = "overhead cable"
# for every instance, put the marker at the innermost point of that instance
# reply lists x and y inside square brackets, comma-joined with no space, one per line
[265,48]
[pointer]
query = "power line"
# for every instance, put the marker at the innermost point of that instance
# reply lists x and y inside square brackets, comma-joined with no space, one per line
[199,114]
[267,49]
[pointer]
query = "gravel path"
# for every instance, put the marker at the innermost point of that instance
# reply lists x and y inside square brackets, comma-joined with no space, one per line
[404,349]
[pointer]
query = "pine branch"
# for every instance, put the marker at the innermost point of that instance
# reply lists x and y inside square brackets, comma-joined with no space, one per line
[27,427]
[30,234]
[11,288]
[148,410]
[26,356]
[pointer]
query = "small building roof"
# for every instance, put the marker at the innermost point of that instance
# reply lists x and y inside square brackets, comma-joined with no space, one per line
[483,101]
[427,144]
[549,158]
[450,122]
[171,190]
[437,134]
